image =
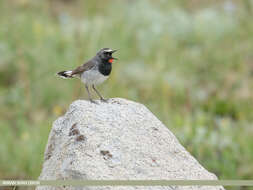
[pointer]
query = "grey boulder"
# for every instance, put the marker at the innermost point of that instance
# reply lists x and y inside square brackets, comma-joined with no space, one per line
[117,140]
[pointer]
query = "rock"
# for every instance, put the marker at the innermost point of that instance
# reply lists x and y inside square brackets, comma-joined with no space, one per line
[120,139]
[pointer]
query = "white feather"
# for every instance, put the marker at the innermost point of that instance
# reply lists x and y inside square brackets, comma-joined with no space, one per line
[108,50]
[68,72]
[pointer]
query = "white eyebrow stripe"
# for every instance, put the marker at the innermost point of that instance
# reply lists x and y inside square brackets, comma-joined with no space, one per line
[108,50]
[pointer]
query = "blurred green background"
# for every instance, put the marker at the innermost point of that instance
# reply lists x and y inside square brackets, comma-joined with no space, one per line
[189,61]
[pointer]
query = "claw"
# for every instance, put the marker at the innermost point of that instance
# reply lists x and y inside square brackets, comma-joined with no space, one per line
[93,101]
[104,100]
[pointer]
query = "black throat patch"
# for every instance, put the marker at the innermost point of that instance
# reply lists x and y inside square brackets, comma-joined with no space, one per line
[105,68]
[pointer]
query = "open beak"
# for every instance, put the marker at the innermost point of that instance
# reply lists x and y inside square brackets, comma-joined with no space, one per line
[113,51]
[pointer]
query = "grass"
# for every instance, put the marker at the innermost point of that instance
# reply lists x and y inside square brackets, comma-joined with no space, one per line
[189,62]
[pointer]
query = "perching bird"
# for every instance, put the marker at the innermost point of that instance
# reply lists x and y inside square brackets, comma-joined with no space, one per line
[94,71]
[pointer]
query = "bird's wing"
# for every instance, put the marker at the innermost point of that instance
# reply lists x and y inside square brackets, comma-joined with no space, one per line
[85,67]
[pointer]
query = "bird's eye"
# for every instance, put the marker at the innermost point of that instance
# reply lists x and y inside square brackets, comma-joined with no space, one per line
[108,53]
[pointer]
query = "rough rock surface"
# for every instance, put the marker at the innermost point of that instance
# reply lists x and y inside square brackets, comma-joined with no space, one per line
[120,139]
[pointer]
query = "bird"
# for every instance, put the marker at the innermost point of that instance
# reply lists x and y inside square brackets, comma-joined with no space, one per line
[93,72]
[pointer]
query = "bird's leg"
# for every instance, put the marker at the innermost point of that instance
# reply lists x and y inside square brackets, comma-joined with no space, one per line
[101,97]
[87,89]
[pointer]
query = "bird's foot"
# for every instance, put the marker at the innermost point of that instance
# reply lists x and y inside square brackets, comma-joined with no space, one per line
[93,101]
[104,100]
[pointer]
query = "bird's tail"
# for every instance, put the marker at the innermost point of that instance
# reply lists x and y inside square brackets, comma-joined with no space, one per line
[65,74]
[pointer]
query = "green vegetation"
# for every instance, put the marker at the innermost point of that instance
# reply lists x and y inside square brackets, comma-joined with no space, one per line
[189,62]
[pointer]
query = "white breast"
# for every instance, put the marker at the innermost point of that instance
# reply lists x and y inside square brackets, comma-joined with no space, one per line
[93,77]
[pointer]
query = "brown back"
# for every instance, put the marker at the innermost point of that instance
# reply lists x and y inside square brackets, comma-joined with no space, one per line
[85,67]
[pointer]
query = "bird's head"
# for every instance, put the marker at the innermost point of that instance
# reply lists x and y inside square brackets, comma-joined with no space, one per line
[106,54]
